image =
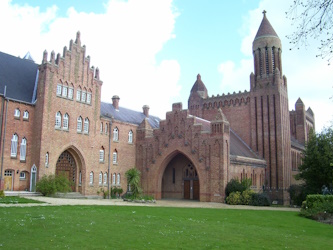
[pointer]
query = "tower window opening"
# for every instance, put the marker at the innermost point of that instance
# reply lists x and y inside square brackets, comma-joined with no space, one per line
[273,60]
[266,59]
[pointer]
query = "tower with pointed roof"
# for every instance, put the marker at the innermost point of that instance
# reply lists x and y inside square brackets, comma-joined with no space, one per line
[270,130]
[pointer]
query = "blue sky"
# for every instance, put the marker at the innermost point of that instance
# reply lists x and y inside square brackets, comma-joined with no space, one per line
[150,51]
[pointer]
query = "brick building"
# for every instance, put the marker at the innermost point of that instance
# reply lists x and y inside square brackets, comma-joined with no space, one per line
[53,121]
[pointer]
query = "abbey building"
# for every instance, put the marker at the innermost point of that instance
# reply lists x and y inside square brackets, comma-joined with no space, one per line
[53,122]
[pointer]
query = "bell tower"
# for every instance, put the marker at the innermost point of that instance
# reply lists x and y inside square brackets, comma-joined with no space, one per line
[270,126]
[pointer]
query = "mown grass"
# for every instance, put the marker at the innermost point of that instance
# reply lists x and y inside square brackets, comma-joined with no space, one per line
[116,227]
[16,200]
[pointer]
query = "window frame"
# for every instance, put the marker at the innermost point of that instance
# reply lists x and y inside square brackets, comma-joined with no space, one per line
[115,134]
[17,113]
[23,149]
[58,120]
[65,122]
[26,115]
[79,124]
[86,125]
[13,146]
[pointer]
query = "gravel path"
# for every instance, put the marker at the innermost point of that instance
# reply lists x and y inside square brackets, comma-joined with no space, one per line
[159,203]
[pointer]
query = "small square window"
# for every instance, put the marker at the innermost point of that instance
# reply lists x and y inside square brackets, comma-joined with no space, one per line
[22,175]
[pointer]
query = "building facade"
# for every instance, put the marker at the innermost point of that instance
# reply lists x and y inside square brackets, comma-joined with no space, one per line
[53,122]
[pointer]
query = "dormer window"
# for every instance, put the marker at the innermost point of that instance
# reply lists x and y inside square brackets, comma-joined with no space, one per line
[17,113]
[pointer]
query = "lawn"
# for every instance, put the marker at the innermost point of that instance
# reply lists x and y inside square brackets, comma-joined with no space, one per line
[117,227]
[16,200]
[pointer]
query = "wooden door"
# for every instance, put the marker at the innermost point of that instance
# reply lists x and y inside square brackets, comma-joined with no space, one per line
[187,192]
[8,183]
[196,189]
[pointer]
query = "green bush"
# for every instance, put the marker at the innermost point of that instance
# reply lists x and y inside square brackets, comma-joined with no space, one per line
[116,192]
[2,193]
[246,197]
[297,194]
[234,186]
[260,199]
[234,198]
[318,207]
[49,185]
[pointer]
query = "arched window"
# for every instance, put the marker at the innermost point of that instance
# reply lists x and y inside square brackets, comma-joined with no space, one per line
[17,113]
[79,124]
[78,94]
[59,89]
[114,179]
[106,128]
[23,149]
[101,130]
[86,126]
[115,157]
[47,159]
[64,90]
[65,121]
[115,134]
[118,179]
[13,148]
[91,178]
[25,115]
[105,178]
[130,137]
[100,178]
[70,91]
[101,155]
[84,95]
[58,120]
[89,96]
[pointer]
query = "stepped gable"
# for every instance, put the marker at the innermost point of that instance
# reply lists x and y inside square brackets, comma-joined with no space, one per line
[20,76]
[128,115]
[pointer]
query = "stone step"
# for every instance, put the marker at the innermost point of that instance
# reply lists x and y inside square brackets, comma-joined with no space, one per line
[70,195]
[22,193]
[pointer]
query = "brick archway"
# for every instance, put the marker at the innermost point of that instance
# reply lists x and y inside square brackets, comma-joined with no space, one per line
[66,166]
[180,179]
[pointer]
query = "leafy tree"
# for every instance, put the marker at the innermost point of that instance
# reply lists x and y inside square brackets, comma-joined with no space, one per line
[133,180]
[316,168]
[314,19]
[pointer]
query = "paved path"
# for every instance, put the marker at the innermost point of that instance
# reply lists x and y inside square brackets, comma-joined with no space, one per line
[159,203]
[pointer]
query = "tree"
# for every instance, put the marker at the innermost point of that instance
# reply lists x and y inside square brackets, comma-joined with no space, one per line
[316,168]
[314,19]
[133,180]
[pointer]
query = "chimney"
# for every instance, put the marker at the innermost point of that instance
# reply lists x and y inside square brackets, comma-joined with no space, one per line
[146,110]
[115,102]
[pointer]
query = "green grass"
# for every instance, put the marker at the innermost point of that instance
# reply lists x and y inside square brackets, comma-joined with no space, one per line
[16,200]
[116,227]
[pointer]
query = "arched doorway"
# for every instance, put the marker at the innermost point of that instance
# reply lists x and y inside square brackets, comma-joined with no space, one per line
[180,179]
[66,166]
[33,178]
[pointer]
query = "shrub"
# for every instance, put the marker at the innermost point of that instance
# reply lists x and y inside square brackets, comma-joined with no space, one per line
[318,207]
[133,180]
[246,197]
[49,185]
[260,199]
[234,186]
[297,194]
[116,192]
[234,198]
[2,193]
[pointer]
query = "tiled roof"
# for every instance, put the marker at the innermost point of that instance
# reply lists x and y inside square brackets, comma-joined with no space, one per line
[19,75]
[265,29]
[239,147]
[127,115]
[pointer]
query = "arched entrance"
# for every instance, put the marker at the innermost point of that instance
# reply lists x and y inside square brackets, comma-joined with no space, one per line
[180,179]
[66,166]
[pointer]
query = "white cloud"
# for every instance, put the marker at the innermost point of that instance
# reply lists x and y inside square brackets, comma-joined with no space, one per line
[308,77]
[123,42]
